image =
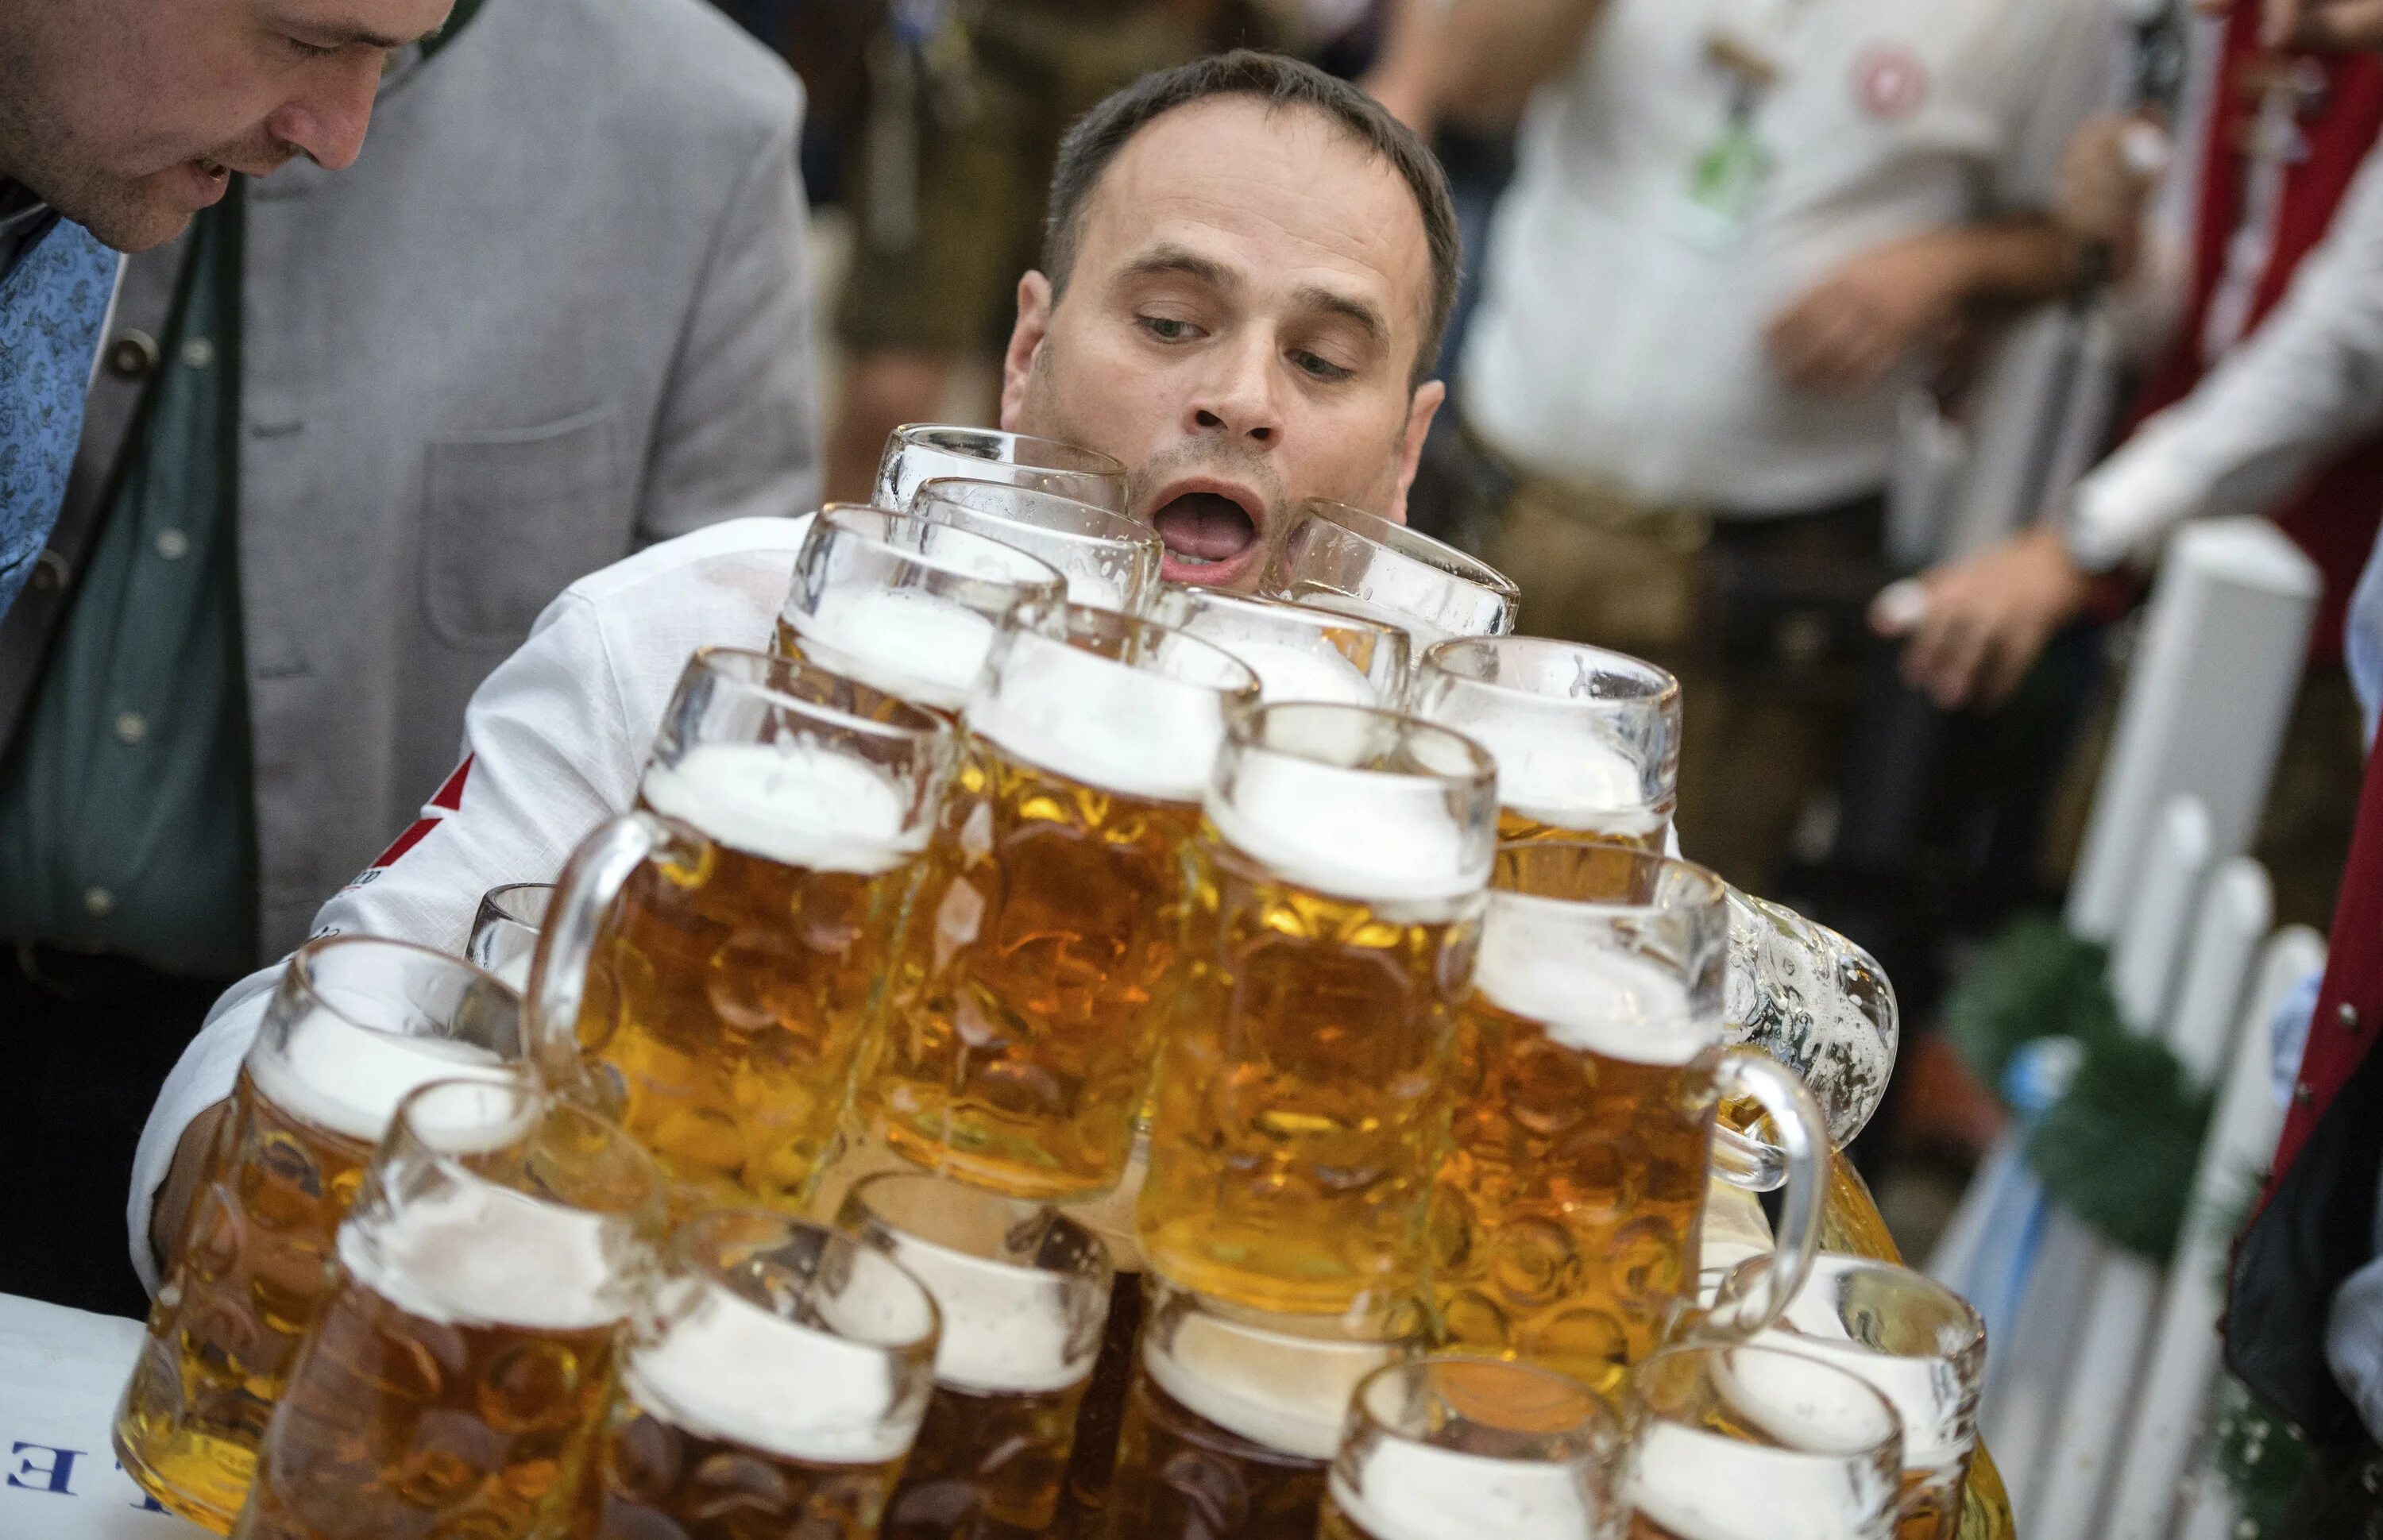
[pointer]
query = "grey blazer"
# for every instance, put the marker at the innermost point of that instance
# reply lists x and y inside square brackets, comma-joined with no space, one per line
[557,310]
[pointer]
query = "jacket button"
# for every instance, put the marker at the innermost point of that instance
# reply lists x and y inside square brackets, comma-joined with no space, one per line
[49,573]
[2347,1014]
[2302,1093]
[133,354]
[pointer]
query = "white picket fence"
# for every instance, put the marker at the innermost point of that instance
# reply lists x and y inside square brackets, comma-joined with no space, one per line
[2100,1363]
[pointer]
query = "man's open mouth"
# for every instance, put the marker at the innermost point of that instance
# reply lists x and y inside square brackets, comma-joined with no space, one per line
[1209,537]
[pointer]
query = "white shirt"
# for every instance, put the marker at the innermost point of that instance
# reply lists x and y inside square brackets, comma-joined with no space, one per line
[1613,347]
[553,743]
[2308,381]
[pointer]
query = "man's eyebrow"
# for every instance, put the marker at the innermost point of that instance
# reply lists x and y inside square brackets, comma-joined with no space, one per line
[1364,316]
[333,33]
[1160,261]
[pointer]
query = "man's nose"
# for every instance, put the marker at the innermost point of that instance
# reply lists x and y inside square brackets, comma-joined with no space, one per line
[327,120]
[1237,398]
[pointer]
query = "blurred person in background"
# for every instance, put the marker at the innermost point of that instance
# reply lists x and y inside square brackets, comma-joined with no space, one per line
[2285,133]
[119,119]
[1243,286]
[1739,230]
[946,177]
[350,437]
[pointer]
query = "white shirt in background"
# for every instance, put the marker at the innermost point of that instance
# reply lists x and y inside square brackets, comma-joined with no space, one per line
[2306,383]
[1614,346]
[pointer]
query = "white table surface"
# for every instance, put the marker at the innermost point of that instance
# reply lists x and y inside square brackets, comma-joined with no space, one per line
[61,1372]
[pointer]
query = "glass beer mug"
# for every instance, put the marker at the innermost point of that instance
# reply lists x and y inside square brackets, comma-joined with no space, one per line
[713,961]
[1589,1071]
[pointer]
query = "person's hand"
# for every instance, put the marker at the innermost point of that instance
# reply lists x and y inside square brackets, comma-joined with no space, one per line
[171,1209]
[1844,334]
[2330,25]
[1983,620]
[2107,171]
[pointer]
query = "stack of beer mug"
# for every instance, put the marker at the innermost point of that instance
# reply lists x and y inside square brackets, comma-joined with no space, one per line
[1035,928]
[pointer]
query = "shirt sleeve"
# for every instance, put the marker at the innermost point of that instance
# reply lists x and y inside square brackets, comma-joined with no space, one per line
[547,757]
[2307,381]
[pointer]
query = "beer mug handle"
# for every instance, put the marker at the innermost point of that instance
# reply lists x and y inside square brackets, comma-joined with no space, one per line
[1747,1307]
[1746,1162]
[584,897]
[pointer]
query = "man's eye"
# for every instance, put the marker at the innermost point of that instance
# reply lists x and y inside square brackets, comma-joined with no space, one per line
[305,50]
[1166,328]
[1320,368]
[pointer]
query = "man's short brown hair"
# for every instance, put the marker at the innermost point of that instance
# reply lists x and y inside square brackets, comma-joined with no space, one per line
[1096,138]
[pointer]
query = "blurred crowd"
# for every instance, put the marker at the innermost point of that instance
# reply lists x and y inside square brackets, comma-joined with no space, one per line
[1725,271]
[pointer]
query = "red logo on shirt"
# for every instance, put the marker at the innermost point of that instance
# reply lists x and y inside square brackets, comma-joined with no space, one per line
[449,797]
[1889,81]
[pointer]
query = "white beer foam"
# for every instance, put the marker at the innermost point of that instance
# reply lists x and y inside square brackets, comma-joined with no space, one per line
[1553,776]
[899,640]
[1534,963]
[1104,723]
[1423,632]
[1925,1390]
[1004,1328]
[1319,826]
[1418,1492]
[793,803]
[472,1254]
[730,1370]
[347,1079]
[1287,672]
[1756,1493]
[1274,1392]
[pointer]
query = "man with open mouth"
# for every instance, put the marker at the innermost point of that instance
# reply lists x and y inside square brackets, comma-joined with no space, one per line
[1240,301]
[1247,269]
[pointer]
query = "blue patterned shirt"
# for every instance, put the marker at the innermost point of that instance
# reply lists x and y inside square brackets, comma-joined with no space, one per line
[53,305]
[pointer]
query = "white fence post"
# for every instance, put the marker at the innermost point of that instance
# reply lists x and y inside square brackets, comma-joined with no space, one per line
[2205,705]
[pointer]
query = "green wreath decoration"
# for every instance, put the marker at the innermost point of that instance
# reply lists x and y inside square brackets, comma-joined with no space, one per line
[2118,1149]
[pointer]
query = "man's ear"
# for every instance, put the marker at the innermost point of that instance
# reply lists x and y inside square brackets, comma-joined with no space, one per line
[1025,341]
[1420,412]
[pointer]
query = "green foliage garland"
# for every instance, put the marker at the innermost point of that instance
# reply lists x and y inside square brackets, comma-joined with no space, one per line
[2257,1454]
[2033,980]
[2118,1149]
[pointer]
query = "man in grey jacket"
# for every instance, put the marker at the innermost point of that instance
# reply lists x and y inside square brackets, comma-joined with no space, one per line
[350,436]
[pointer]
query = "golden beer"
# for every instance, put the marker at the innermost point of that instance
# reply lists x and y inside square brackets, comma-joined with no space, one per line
[905,604]
[354,1024]
[1749,1443]
[1589,1067]
[1453,1448]
[743,1411]
[1043,935]
[1302,1092]
[1587,742]
[1022,1290]
[455,1381]
[734,970]
[1230,1423]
